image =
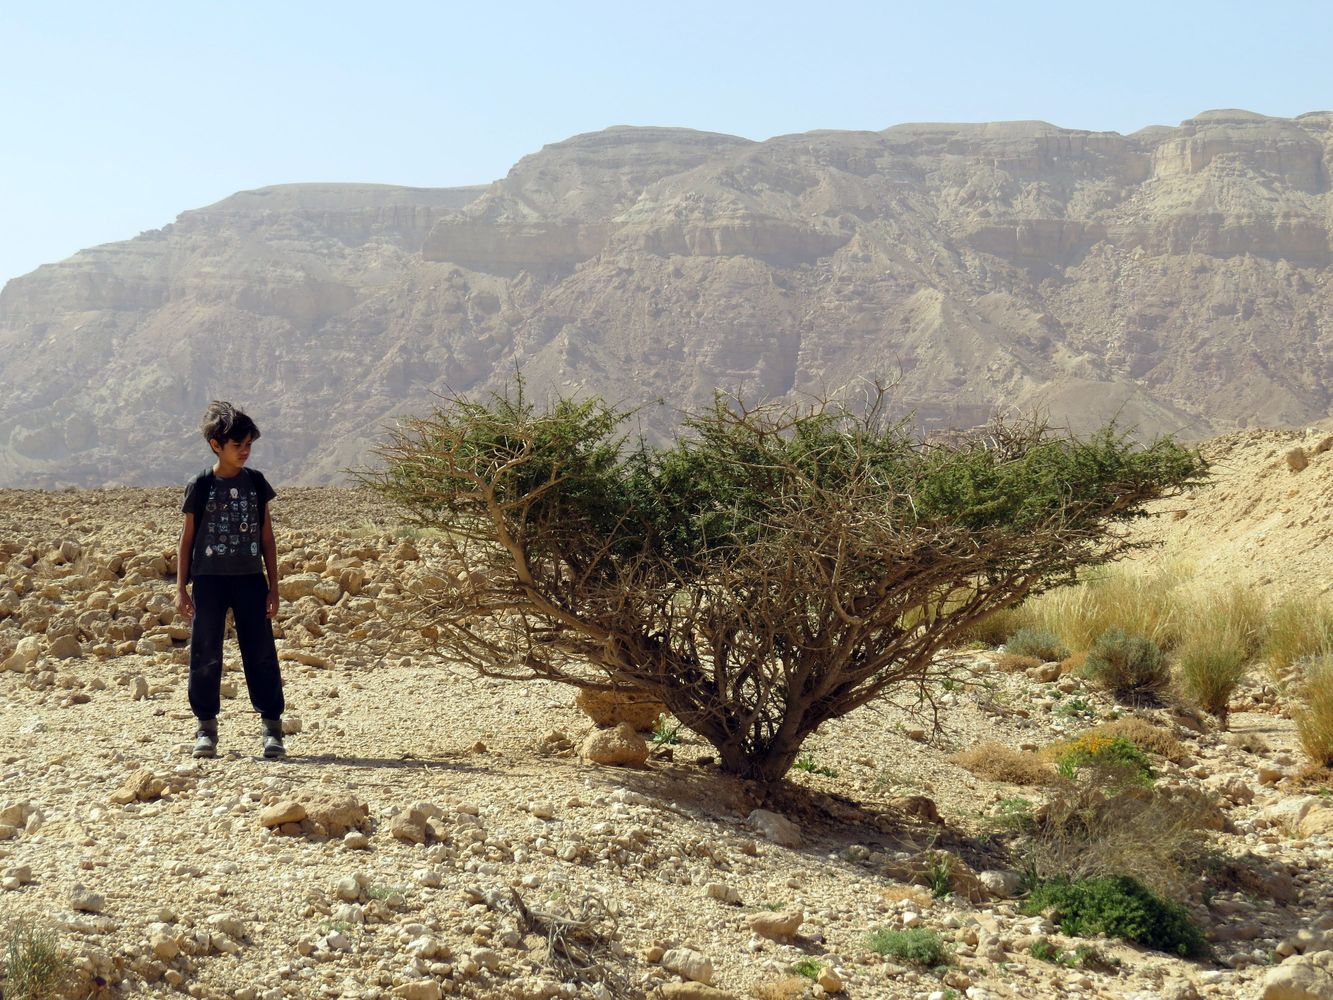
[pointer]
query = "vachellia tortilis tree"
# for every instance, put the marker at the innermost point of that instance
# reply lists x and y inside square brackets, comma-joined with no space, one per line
[773,568]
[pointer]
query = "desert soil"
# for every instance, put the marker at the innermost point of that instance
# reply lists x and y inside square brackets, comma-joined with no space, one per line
[428,827]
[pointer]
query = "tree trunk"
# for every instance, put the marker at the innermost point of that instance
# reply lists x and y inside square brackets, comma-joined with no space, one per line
[767,765]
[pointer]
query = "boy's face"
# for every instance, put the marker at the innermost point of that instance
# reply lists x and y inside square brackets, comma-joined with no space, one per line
[232,453]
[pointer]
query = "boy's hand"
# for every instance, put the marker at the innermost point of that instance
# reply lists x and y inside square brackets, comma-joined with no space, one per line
[272,602]
[184,605]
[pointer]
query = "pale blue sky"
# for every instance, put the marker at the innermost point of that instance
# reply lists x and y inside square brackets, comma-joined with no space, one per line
[118,116]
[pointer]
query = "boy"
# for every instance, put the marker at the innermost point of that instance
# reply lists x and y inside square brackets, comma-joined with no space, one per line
[227,548]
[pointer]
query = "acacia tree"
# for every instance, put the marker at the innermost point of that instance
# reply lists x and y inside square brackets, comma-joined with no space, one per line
[774,567]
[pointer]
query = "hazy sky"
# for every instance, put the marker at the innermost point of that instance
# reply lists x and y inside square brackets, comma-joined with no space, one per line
[118,116]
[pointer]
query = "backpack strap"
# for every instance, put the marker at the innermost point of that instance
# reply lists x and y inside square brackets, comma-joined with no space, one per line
[201,486]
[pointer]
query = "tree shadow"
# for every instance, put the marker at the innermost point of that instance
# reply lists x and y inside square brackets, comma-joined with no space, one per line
[390,763]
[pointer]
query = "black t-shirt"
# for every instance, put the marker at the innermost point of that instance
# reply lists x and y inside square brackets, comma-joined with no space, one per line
[228,533]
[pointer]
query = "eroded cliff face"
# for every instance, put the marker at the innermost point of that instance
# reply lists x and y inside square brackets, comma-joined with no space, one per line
[1176,279]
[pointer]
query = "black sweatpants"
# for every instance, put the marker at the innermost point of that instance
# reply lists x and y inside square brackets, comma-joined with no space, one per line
[247,597]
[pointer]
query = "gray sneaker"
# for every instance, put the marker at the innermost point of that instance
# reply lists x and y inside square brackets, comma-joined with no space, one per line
[206,738]
[273,745]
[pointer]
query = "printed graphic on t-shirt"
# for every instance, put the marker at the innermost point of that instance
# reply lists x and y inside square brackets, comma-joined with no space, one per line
[229,533]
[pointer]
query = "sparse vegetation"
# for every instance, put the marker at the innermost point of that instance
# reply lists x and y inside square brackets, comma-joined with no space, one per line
[1119,906]
[1220,636]
[1144,735]
[35,966]
[997,762]
[807,968]
[773,568]
[1129,666]
[1314,714]
[1040,645]
[939,875]
[913,946]
[1102,752]
[1298,627]
[666,731]
[806,763]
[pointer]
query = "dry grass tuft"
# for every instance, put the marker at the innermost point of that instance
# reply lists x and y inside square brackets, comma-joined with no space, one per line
[787,988]
[997,762]
[1314,715]
[1137,602]
[911,893]
[1073,664]
[1298,627]
[997,627]
[1016,663]
[1146,736]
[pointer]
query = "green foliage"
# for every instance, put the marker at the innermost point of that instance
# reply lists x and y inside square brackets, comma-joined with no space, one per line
[939,875]
[1075,707]
[914,946]
[665,731]
[1034,642]
[808,968]
[806,762]
[770,569]
[1118,906]
[35,966]
[1129,666]
[1044,951]
[1012,815]
[1109,753]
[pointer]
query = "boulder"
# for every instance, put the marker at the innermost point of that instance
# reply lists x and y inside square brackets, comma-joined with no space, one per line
[611,708]
[286,811]
[780,926]
[775,827]
[620,747]
[141,786]
[1297,980]
[689,964]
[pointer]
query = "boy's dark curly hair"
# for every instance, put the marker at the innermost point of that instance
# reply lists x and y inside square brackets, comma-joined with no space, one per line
[223,422]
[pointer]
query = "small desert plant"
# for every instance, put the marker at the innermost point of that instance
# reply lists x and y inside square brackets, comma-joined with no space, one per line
[914,946]
[35,966]
[1043,646]
[1297,627]
[939,875]
[665,732]
[806,763]
[1314,715]
[1129,666]
[1013,815]
[1220,637]
[997,762]
[807,968]
[1043,950]
[1119,906]
[1097,750]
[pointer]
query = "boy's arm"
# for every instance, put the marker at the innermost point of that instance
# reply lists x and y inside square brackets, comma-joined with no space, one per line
[183,552]
[270,548]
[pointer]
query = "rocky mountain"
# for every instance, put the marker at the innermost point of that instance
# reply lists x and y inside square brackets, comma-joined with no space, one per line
[1176,278]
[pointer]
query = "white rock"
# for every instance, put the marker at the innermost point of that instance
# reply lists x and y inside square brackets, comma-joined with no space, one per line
[722,892]
[689,964]
[775,827]
[86,901]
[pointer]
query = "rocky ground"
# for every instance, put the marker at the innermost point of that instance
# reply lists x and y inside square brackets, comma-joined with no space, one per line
[435,834]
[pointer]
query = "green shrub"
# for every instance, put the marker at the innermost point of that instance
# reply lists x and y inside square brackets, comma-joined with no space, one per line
[807,968]
[35,967]
[806,763]
[1129,666]
[1044,646]
[1119,906]
[914,946]
[1103,752]
[763,543]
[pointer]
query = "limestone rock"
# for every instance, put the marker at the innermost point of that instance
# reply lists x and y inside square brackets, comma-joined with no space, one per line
[775,827]
[420,989]
[335,815]
[286,811]
[1316,822]
[65,647]
[142,786]
[85,900]
[1297,980]
[610,708]
[620,747]
[1001,884]
[689,964]
[775,926]
[692,991]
